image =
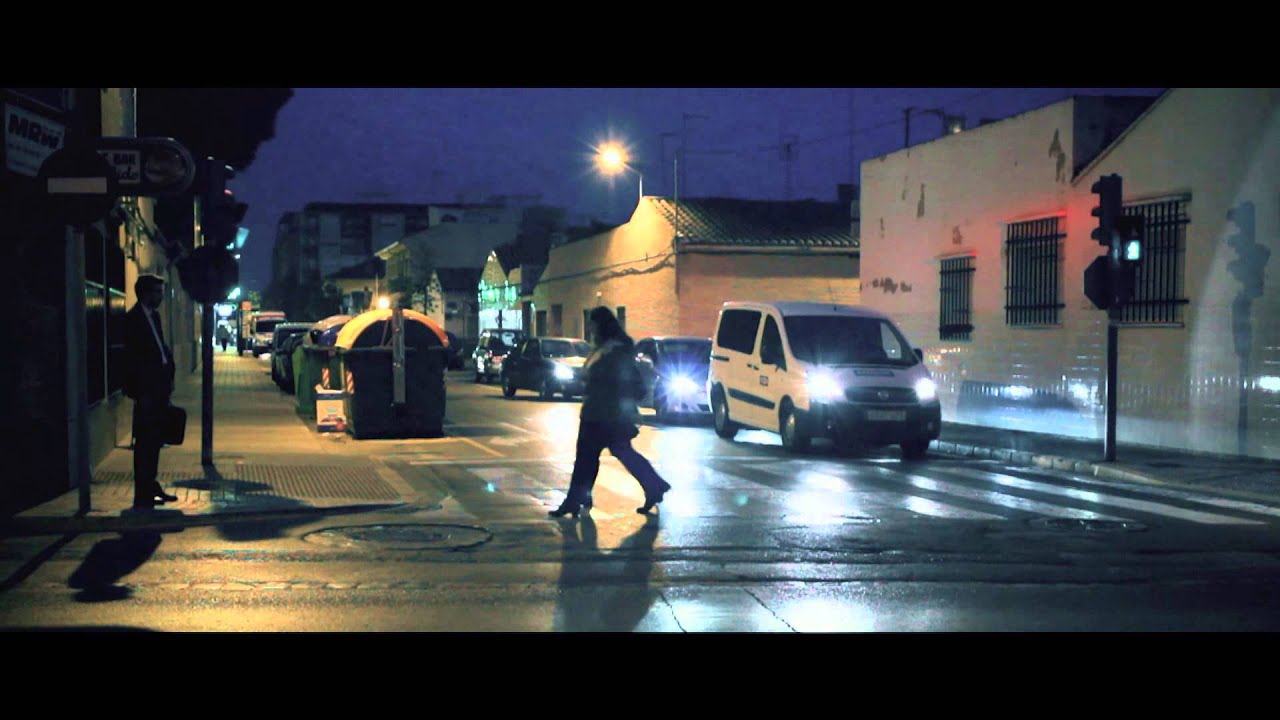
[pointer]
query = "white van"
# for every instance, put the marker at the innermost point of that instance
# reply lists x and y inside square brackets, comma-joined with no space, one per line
[805,369]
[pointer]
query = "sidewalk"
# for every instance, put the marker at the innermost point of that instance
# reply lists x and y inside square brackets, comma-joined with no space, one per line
[1241,477]
[267,459]
[281,465]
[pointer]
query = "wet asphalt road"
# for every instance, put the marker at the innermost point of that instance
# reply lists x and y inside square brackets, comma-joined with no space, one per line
[750,539]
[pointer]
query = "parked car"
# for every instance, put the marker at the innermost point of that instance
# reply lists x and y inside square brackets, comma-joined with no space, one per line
[491,349]
[809,369]
[674,370]
[278,357]
[548,365]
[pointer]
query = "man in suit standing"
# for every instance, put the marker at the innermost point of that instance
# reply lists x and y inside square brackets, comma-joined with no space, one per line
[149,381]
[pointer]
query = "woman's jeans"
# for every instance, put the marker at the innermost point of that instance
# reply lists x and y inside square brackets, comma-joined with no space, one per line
[593,437]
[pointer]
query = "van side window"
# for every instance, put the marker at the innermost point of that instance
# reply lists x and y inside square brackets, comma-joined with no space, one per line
[738,330]
[892,348]
[771,343]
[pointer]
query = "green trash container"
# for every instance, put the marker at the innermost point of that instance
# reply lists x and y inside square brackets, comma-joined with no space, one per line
[371,410]
[310,372]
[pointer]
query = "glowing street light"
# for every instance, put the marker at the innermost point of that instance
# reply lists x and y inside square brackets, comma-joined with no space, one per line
[612,158]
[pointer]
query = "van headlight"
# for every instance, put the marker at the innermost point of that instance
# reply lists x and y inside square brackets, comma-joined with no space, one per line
[926,390]
[563,372]
[824,387]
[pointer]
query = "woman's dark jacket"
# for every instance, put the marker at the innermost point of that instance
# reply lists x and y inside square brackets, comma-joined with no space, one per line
[613,384]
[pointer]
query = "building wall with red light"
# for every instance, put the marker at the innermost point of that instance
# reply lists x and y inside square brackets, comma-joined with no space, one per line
[1207,381]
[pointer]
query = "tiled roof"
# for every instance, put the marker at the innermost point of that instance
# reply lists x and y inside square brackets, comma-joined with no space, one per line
[760,223]
[467,279]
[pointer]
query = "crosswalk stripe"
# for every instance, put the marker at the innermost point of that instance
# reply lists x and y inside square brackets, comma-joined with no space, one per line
[916,504]
[1244,505]
[501,478]
[1105,499]
[997,498]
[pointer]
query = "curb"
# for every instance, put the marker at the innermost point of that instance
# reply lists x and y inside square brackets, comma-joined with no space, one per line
[169,520]
[1051,462]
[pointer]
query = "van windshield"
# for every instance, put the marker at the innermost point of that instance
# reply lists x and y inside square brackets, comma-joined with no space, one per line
[264,327]
[692,351]
[833,340]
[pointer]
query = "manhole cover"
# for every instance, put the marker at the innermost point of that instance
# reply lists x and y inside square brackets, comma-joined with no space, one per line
[422,536]
[1056,523]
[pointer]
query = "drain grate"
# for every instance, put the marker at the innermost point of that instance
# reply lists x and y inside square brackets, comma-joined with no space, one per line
[296,481]
[1057,523]
[419,536]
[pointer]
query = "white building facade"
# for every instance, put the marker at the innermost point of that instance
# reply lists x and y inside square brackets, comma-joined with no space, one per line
[978,242]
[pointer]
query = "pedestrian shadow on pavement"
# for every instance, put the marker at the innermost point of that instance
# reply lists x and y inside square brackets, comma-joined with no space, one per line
[597,592]
[109,561]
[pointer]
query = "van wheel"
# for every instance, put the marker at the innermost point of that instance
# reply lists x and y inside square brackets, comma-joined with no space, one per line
[547,391]
[508,387]
[794,437]
[915,449]
[725,427]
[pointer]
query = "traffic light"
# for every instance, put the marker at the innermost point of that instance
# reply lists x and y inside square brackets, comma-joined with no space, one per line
[220,213]
[1108,189]
[210,271]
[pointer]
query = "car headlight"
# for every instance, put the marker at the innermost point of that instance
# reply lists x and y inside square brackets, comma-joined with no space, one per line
[824,387]
[682,385]
[563,372]
[926,389]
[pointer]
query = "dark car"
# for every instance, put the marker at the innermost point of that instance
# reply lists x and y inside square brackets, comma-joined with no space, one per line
[279,358]
[453,356]
[548,365]
[491,349]
[675,372]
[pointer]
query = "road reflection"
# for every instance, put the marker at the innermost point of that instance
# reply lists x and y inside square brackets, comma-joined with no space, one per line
[604,591]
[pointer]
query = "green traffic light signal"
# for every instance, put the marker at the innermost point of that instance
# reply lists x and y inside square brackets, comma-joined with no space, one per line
[1133,250]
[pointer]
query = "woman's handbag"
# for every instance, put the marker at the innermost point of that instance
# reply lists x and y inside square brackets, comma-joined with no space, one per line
[175,425]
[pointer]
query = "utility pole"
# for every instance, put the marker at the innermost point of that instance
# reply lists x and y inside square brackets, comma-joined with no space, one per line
[906,128]
[788,154]
[684,140]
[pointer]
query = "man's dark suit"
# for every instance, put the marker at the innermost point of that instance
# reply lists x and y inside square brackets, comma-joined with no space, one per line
[149,381]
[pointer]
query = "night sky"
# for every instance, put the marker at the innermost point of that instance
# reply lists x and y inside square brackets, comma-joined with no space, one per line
[421,145]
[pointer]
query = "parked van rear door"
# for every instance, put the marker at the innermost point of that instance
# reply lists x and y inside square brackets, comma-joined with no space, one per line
[735,361]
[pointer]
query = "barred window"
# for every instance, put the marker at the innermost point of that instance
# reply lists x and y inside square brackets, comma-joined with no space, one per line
[1032,292]
[956,302]
[1158,287]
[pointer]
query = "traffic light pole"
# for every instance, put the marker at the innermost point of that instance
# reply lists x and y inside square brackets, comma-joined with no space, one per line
[1113,370]
[206,370]
[206,389]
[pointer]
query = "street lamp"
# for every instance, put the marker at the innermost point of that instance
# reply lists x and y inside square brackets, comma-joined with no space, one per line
[612,158]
